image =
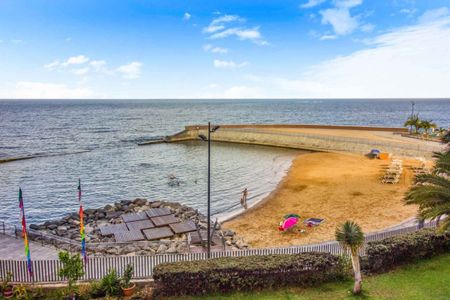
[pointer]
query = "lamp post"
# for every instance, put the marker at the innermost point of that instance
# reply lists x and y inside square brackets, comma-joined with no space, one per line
[208,139]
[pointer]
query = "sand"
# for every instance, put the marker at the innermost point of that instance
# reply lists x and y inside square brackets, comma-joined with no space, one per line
[336,187]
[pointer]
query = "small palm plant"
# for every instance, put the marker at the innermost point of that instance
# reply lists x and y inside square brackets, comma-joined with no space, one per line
[351,238]
[432,195]
[413,121]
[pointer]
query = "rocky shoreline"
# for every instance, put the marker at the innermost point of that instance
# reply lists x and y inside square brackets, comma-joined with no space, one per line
[64,233]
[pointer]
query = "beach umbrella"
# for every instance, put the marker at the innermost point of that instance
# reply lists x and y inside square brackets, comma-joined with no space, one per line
[291,215]
[288,223]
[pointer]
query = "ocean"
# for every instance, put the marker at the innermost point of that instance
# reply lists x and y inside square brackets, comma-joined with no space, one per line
[96,141]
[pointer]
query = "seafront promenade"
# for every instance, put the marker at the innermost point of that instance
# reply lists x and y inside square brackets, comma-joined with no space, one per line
[353,139]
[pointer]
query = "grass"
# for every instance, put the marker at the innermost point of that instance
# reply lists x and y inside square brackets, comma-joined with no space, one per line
[427,279]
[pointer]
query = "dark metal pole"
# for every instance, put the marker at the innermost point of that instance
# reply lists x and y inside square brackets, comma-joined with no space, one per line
[209,189]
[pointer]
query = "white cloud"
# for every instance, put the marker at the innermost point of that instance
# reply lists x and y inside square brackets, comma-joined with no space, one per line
[98,65]
[407,62]
[80,71]
[408,11]
[219,23]
[76,60]
[228,64]
[187,16]
[213,49]
[52,66]
[434,15]
[218,29]
[327,37]
[312,3]
[131,70]
[367,27]
[41,90]
[340,19]
[347,3]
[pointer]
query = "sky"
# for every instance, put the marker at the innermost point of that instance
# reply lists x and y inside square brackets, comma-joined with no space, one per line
[224,49]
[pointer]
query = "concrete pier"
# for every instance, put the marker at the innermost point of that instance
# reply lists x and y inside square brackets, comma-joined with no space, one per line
[354,139]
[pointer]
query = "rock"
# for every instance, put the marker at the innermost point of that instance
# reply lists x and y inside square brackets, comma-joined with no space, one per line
[112,214]
[172,249]
[140,202]
[229,232]
[34,227]
[161,249]
[118,205]
[109,207]
[156,204]
[126,202]
[113,251]
[52,226]
[189,214]
[228,243]
[89,211]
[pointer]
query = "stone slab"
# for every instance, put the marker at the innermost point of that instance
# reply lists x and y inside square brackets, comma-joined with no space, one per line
[139,225]
[164,220]
[183,227]
[158,233]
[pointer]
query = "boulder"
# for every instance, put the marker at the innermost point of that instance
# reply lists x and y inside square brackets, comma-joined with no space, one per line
[34,227]
[161,249]
[52,226]
[109,207]
[156,204]
[140,202]
[113,251]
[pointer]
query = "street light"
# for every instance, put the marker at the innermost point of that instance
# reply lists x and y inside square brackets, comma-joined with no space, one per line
[208,139]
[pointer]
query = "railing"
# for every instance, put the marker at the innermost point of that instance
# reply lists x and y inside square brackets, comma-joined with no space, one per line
[97,267]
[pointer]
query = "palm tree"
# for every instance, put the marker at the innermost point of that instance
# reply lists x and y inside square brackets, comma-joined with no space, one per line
[351,238]
[413,121]
[432,194]
[427,125]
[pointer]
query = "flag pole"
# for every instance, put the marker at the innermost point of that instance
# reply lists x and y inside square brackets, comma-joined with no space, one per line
[24,234]
[82,233]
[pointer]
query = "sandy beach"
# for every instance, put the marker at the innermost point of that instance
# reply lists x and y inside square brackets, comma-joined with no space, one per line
[332,186]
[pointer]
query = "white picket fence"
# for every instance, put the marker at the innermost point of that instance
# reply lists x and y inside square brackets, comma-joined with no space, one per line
[47,270]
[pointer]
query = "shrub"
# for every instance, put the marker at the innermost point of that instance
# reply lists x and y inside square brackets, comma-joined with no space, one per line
[110,284]
[228,274]
[72,268]
[127,275]
[390,252]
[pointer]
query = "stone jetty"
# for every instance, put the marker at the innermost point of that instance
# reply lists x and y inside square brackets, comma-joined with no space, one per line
[64,233]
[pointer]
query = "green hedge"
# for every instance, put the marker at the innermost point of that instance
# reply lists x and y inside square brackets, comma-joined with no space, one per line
[385,254]
[228,274]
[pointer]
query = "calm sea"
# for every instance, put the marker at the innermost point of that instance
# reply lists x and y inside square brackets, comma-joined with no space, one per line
[97,142]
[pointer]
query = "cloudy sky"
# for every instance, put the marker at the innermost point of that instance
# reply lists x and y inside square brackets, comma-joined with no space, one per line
[225,49]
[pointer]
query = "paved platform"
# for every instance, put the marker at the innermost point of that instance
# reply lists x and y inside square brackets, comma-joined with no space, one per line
[13,249]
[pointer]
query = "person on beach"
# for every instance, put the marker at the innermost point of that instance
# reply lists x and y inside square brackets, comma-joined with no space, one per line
[244,198]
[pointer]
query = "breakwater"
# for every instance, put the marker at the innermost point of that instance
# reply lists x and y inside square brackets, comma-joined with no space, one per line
[354,139]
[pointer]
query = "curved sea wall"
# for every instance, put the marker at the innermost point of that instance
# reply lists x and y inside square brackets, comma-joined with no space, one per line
[266,135]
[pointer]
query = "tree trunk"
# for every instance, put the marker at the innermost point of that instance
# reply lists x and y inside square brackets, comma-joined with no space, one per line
[357,271]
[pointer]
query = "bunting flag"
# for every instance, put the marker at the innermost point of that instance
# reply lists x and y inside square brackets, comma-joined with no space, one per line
[24,233]
[83,237]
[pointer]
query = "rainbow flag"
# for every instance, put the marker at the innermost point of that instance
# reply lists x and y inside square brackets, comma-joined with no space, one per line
[83,237]
[24,233]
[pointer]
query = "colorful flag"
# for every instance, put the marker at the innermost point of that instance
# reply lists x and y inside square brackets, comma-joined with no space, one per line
[83,237]
[24,233]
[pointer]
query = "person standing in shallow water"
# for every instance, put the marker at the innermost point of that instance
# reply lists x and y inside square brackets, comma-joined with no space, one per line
[244,198]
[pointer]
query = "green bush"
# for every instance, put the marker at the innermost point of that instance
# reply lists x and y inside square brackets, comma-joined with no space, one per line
[110,284]
[385,254]
[228,274]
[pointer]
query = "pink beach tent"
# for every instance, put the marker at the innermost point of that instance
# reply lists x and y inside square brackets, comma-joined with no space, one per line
[288,223]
